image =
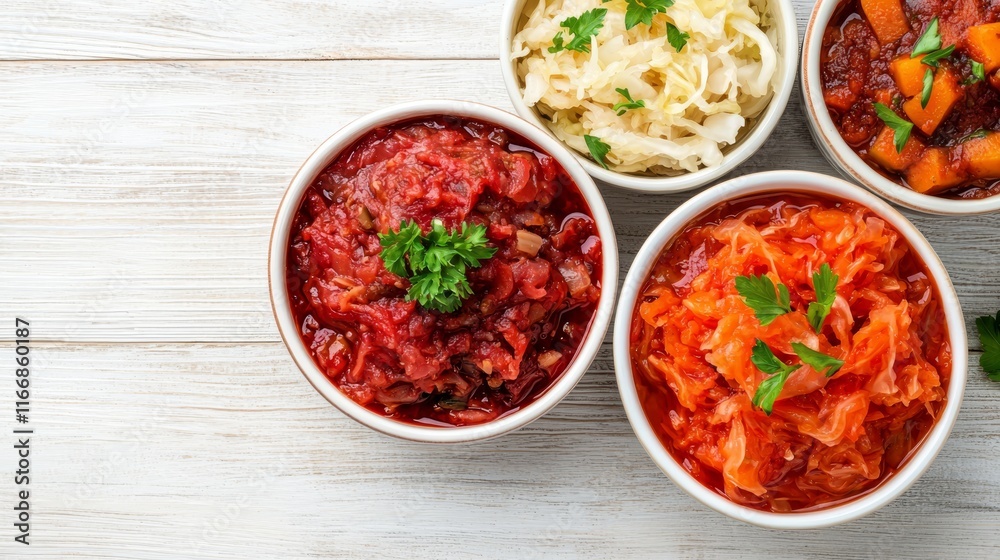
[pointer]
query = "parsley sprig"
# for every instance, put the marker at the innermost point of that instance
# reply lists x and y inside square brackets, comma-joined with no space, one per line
[758,293]
[989,336]
[436,262]
[769,303]
[629,103]
[642,11]
[825,285]
[770,388]
[583,27]
[929,41]
[929,45]
[901,127]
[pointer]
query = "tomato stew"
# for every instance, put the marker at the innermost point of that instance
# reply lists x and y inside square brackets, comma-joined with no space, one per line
[953,148]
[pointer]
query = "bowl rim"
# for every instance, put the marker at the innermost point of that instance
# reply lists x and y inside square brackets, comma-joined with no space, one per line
[277,253]
[779,182]
[835,148]
[788,45]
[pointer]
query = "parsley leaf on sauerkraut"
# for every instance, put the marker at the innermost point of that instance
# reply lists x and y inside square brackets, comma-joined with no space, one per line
[598,149]
[676,37]
[770,388]
[825,285]
[642,11]
[583,27]
[765,360]
[629,103]
[758,293]
[820,362]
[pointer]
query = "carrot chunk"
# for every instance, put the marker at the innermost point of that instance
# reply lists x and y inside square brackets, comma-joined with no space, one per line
[883,151]
[886,18]
[983,44]
[909,74]
[933,172]
[981,156]
[839,97]
[945,93]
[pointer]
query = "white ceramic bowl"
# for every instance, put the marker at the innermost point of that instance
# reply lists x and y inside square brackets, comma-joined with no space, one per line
[783,182]
[836,150]
[324,156]
[788,44]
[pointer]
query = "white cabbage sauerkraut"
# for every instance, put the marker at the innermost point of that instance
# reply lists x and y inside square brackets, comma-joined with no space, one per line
[697,101]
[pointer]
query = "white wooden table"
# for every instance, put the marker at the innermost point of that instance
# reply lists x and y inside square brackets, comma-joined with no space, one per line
[143,149]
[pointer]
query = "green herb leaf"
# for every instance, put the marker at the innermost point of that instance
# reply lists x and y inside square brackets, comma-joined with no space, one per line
[825,285]
[598,149]
[766,361]
[642,11]
[769,389]
[621,108]
[901,128]
[470,245]
[925,94]
[934,58]
[451,402]
[443,291]
[827,365]
[435,263]
[583,27]
[676,37]
[395,246]
[978,71]
[759,294]
[989,337]
[928,42]
[557,43]
[981,133]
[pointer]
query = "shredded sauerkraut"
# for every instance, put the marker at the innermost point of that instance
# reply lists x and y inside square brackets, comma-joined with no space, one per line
[697,101]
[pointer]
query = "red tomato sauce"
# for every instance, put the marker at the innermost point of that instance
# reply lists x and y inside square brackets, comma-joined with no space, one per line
[950,152]
[528,314]
[828,439]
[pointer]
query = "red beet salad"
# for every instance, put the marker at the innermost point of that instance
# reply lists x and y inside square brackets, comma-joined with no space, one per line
[443,271]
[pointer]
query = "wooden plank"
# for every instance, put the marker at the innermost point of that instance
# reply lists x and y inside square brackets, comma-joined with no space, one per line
[229,29]
[224,451]
[135,205]
[136,200]
[277,29]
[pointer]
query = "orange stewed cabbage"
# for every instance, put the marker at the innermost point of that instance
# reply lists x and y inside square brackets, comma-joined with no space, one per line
[827,439]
